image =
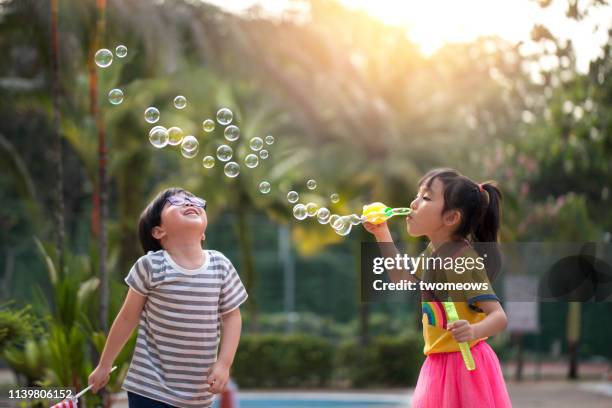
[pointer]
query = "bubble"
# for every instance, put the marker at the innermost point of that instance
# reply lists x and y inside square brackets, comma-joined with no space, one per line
[189,147]
[264,187]
[343,226]
[269,139]
[115,96]
[323,215]
[208,125]
[224,116]
[299,211]
[103,58]
[355,219]
[121,51]
[337,222]
[180,102]
[333,218]
[292,197]
[176,135]
[151,114]
[208,162]
[311,209]
[263,153]
[232,169]
[335,198]
[251,161]
[224,153]
[158,136]
[231,133]
[311,184]
[256,143]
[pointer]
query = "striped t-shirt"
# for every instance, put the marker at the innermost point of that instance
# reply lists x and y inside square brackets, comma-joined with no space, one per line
[179,327]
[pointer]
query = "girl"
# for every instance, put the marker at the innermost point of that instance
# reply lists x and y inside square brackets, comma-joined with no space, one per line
[456,214]
[178,297]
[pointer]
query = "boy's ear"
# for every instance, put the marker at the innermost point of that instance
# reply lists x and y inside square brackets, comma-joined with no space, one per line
[158,232]
[452,217]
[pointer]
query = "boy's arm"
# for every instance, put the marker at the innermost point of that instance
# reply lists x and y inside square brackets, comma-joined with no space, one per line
[121,330]
[218,374]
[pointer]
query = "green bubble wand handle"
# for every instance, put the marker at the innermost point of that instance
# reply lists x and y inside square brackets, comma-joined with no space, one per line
[466,353]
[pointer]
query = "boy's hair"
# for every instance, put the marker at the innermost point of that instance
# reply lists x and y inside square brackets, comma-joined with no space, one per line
[480,209]
[151,218]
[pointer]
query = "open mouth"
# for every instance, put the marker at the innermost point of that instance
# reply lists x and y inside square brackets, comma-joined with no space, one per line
[190,211]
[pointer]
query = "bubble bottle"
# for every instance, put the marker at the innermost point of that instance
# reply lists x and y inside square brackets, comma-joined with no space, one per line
[377,213]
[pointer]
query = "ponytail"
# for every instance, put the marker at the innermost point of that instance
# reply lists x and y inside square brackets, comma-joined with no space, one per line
[485,231]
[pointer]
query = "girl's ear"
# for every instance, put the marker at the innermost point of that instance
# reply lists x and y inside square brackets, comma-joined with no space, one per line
[158,232]
[452,218]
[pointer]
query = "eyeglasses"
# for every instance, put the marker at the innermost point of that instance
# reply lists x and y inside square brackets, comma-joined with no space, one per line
[180,201]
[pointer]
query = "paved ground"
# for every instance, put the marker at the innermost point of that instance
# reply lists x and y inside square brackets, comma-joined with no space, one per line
[527,394]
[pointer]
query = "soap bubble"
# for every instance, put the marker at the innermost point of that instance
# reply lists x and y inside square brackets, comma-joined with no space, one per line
[323,215]
[311,184]
[121,51]
[292,197]
[251,161]
[256,143]
[151,114]
[176,135]
[224,153]
[231,169]
[180,102]
[103,58]
[355,219]
[343,226]
[269,139]
[264,187]
[224,116]
[299,211]
[263,153]
[232,133]
[208,125]
[158,136]
[208,162]
[333,218]
[334,198]
[115,96]
[189,147]
[311,209]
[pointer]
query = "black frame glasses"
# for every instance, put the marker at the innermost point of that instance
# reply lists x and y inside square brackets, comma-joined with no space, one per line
[180,201]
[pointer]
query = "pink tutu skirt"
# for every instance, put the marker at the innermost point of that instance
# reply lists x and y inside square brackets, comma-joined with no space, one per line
[444,382]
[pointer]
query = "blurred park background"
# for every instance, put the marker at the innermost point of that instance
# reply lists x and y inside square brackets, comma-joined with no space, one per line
[354,102]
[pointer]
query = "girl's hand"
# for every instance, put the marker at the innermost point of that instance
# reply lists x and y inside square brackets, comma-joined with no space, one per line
[380,231]
[462,331]
[218,376]
[99,378]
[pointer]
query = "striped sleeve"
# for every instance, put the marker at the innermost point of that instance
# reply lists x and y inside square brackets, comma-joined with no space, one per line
[233,293]
[139,277]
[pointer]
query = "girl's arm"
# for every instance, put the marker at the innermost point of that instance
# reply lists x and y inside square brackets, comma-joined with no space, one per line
[218,375]
[388,250]
[495,322]
[121,330]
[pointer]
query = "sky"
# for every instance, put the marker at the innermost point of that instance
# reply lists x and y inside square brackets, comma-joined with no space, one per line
[464,21]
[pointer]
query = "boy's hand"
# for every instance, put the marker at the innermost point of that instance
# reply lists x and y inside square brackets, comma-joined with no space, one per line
[462,331]
[218,375]
[380,231]
[99,378]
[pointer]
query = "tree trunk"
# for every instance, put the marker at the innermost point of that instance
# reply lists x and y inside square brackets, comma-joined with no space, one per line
[57,140]
[247,265]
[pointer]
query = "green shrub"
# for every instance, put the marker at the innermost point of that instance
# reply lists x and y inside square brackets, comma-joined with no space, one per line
[389,361]
[283,361]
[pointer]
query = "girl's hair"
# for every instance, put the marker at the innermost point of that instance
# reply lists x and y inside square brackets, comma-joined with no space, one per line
[480,209]
[151,218]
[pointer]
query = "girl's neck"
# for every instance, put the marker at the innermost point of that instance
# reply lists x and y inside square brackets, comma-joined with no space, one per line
[186,255]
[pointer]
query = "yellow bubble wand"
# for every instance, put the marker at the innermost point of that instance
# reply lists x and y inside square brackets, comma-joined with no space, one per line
[377,213]
[466,353]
